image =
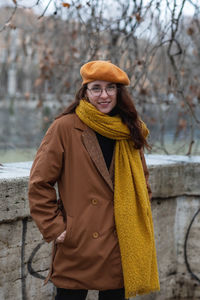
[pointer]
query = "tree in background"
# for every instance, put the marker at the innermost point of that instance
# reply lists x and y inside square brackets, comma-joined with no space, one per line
[153,41]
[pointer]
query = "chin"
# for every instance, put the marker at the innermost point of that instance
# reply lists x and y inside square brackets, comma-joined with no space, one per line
[105,111]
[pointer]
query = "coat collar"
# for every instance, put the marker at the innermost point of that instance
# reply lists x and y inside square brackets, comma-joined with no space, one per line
[78,124]
[91,144]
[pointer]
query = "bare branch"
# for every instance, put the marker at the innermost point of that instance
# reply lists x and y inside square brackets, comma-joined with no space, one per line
[9,19]
[42,15]
[190,148]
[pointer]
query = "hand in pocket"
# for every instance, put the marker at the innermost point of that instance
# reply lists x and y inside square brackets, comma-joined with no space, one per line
[61,237]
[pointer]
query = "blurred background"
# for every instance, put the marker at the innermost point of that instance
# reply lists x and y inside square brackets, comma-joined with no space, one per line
[44,43]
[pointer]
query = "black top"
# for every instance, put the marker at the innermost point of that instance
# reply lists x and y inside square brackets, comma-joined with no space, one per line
[107,145]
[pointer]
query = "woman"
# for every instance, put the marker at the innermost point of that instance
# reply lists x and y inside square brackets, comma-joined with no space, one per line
[102,225]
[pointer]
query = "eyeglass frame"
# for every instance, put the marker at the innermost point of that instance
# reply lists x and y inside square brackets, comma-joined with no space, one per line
[103,89]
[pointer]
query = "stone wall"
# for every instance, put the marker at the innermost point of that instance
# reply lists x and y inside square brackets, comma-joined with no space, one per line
[24,257]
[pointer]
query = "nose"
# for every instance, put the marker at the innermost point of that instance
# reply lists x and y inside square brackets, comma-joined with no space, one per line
[104,94]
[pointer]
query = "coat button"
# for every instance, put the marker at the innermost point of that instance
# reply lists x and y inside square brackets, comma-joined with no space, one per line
[94,201]
[95,235]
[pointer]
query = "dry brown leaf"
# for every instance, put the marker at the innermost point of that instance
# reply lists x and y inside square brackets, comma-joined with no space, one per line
[182,72]
[67,84]
[9,24]
[46,119]
[138,17]
[169,80]
[39,104]
[65,4]
[190,31]
[74,49]
[27,96]
[182,124]
[143,91]
[38,82]
[153,120]
[12,26]
[189,99]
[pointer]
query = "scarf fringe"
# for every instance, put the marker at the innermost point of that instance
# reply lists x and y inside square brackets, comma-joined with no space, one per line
[141,293]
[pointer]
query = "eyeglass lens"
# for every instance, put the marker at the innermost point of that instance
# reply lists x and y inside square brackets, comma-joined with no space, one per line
[97,91]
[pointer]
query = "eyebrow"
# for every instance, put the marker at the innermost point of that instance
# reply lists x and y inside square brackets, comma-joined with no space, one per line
[98,85]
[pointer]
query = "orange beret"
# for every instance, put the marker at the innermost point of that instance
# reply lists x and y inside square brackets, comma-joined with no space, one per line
[103,70]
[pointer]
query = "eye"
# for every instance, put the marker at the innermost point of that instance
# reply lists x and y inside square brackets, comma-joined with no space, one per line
[111,87]
[96,89]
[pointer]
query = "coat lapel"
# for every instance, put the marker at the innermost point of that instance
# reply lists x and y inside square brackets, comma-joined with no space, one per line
[92,146]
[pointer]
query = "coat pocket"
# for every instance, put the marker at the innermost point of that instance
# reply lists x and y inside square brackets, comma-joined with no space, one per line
[67,243]
[69,238]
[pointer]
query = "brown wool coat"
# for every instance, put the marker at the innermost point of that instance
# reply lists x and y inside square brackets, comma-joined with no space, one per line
[89,257]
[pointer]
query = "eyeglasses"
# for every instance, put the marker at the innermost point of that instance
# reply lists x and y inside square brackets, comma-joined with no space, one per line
[97,91]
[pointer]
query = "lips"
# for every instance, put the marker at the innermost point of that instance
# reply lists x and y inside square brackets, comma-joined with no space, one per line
[104,102]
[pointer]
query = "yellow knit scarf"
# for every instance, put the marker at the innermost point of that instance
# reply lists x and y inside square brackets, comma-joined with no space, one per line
[132,207]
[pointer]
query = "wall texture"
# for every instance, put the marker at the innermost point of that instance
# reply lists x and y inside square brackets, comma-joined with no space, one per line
[24,257]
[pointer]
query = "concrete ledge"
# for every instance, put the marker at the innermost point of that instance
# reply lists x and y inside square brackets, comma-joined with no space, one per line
[13,191]
[170,176]
[174,175]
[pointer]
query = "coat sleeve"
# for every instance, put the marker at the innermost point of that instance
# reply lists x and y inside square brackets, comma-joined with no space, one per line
[45,171]
[146,173]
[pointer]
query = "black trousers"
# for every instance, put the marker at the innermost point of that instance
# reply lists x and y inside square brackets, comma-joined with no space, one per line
[63,294]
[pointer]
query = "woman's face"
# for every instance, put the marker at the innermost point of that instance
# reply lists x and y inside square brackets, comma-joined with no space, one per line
[102,94]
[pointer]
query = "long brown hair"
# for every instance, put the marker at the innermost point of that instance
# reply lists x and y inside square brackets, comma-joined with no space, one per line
[125,108]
